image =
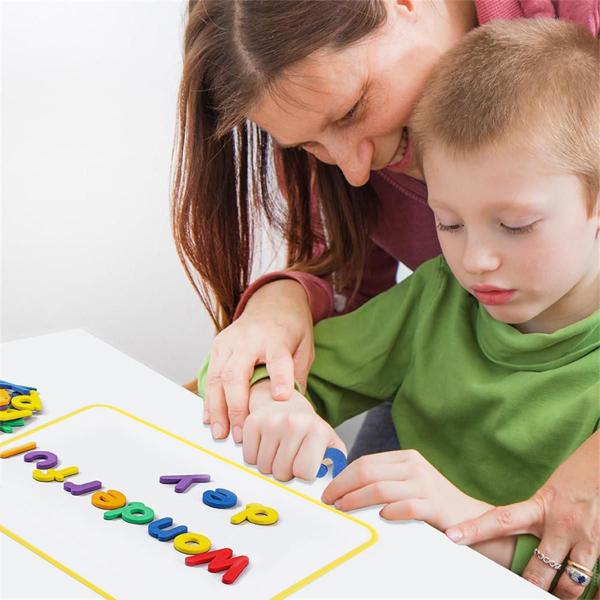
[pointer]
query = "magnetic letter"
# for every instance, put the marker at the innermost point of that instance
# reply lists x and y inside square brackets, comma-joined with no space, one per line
[136,513]
[108,500]
[257,514]
[55,475]
[158,529]
[77,489]
[219,498]
[184,481]
[42,459]
[220,560]
[192,543]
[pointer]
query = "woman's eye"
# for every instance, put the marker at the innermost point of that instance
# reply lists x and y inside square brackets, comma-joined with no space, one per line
[517,230]
[442,227]
[350,114]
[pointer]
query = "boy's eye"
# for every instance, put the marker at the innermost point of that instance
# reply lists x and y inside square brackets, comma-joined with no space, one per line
[442,227]
[517,230]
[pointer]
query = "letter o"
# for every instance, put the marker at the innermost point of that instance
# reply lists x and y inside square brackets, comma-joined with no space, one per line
[192,543]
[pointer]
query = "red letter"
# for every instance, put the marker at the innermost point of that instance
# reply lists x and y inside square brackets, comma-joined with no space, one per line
[219,560]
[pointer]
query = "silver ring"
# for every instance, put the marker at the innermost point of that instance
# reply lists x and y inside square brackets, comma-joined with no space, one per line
[547,560]
[578,576]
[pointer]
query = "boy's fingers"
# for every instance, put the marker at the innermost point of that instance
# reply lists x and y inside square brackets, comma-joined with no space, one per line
[286,454]
[236,376]
[497,522]
[266,452]
[309,457]
[311,452]
[415,509]
[380,492]
[280,367]
[363,472]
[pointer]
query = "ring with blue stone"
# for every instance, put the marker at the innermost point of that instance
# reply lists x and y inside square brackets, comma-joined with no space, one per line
[578,573]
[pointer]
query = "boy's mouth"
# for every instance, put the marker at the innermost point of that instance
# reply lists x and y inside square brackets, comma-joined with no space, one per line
[492,296]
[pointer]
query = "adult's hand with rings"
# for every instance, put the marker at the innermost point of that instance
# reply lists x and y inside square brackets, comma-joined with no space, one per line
[275,329]
[564,514]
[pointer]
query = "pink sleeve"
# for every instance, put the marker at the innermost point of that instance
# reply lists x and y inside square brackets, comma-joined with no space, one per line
[582,12]
[319,292]
[380,275]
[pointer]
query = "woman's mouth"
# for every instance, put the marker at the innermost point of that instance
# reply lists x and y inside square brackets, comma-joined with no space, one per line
[492,296]
[402,159]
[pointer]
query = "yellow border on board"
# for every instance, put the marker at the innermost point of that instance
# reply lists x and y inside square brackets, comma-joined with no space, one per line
[58,565]
[283,594]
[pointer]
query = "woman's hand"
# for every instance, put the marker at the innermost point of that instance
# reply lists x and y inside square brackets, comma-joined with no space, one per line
[287,439]
[275,329]
[408,485]
[564,514]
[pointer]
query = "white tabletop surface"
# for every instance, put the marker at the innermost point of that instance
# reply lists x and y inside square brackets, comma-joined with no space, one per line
[74,369]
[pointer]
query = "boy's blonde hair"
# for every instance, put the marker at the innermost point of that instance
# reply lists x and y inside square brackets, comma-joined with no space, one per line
[535,81]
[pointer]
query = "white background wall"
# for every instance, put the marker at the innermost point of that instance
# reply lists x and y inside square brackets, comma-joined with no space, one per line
[88,114]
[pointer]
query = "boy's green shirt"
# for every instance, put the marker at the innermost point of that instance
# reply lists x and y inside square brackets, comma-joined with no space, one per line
[496,411]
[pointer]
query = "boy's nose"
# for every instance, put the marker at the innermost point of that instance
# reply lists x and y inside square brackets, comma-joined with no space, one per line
[480,257]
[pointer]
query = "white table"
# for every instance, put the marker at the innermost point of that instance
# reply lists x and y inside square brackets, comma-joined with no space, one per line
[75,369]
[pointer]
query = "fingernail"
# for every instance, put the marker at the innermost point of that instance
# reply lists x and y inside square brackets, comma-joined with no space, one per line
[325,500]
[206,419]
[217,431]
[338,505]
[279,390]
[454,534]
[237,434]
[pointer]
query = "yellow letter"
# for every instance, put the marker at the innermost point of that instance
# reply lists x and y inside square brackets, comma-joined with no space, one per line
[192,543]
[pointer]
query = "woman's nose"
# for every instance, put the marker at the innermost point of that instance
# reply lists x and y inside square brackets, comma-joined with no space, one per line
[354,160]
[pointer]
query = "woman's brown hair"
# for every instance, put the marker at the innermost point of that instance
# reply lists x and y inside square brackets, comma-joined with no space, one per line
[234,51]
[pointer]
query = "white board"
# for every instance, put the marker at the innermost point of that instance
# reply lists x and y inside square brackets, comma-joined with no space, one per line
[121,560]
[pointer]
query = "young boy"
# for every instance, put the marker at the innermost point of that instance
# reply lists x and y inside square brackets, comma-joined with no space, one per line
[491,353]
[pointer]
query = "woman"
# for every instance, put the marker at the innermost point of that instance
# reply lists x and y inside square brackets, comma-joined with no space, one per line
[324,91]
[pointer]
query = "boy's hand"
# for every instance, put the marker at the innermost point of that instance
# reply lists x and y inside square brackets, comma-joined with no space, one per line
[408,485]
[287,439]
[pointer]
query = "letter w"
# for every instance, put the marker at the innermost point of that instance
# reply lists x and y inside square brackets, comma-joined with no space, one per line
[220,560]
